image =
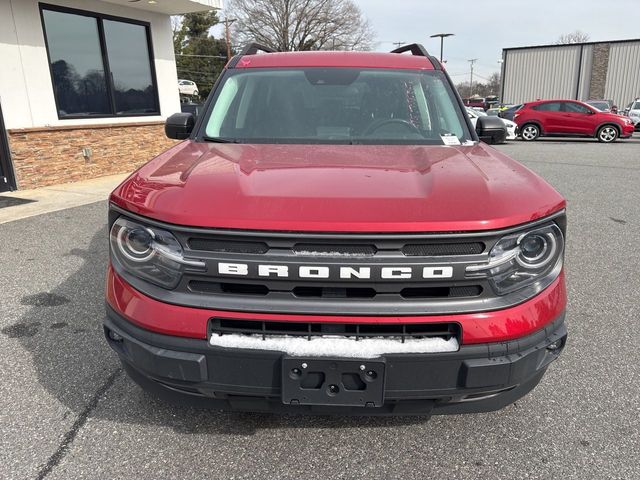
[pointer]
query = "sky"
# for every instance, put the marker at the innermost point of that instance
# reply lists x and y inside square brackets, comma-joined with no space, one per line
[483,28]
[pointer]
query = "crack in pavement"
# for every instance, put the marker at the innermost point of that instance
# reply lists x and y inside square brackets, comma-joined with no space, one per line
[70,436]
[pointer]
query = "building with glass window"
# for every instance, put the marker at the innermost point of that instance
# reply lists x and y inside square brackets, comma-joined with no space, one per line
[85,86]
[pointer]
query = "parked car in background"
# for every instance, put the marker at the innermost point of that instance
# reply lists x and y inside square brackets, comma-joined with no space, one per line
[603,105]
[511,127]
[493,112]
[633,112]
[475,102]
[509,112]
[187,87]
[570,118]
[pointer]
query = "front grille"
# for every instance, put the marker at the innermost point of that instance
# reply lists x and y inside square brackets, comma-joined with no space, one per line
[335,292]
[442,249]
[311,249]
[227,246]
[223,326]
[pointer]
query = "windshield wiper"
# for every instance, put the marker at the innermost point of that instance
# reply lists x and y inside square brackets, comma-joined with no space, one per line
[220,140]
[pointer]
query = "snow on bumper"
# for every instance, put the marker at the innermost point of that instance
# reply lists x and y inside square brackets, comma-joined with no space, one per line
[332,346]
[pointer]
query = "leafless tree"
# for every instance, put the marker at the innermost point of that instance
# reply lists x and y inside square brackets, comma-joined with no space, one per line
[286,25]
[573,37]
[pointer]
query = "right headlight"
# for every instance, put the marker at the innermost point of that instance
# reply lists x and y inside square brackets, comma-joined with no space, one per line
[523,259]
[150,253]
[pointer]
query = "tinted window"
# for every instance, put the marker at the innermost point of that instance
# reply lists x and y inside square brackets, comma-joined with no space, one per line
[83,83]
[548,107]
[636,106]
[336,105]
[602,106]
[128,53]
[76,64]
[575,108]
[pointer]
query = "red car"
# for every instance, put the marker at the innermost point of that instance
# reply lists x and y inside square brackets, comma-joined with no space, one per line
[332,237]
[570,118]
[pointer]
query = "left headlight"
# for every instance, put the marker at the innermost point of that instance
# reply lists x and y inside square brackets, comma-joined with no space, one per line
[522,259]
[149,253]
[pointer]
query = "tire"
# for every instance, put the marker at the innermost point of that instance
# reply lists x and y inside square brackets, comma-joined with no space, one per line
[607,134]
[530,132]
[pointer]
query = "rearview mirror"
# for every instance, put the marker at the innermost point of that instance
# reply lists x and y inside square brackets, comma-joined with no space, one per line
[179,126]
[491,130]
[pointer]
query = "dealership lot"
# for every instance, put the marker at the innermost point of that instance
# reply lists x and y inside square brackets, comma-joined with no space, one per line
[68,411]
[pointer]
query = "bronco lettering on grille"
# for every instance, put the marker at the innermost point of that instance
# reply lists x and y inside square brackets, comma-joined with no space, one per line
[342,272]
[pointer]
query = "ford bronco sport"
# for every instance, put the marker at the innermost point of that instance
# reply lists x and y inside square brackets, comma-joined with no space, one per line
[331,237]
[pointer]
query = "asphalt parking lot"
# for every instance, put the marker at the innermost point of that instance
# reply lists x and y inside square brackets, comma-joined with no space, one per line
[68,411]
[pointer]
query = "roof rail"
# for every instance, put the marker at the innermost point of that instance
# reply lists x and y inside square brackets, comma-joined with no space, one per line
[418,50]
[249,49]
[414,48]
[253,48]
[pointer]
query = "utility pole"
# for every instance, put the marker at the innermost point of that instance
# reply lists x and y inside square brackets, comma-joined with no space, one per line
[398,44]
[471,61]
[442,36]
[227,34]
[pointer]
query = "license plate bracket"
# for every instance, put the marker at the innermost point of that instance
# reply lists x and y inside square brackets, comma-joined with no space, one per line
[331,381]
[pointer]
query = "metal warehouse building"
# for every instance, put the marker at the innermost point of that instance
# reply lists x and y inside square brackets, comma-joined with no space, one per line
[581,71]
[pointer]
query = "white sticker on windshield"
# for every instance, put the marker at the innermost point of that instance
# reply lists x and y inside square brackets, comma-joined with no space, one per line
[450,139]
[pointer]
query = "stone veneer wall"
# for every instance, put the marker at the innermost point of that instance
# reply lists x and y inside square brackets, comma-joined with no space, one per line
[52,155]
[599,69]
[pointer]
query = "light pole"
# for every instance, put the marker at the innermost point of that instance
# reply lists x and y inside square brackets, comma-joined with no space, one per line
[442,37]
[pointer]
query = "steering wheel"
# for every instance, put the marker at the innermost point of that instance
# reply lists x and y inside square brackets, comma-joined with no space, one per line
[377,124]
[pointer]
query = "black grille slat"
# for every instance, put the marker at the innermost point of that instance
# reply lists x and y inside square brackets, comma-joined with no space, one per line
[426,292]
[222,326]
[442,249]
[227,246]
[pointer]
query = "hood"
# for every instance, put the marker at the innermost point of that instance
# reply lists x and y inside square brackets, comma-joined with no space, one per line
[337,188]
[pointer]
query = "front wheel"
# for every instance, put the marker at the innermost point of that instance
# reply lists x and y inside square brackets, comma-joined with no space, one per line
[607,134]
[530,132]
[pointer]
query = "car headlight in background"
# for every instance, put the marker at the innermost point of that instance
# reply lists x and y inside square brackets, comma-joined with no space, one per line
[149,253]
[532,257]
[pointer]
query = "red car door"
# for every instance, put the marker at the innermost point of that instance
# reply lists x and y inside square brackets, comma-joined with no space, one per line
[579,119]
[550,116]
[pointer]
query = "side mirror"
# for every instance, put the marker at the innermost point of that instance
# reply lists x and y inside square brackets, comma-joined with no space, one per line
[179,126]
[491,130]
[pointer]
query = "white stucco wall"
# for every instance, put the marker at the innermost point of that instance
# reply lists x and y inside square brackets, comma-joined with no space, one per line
[26,90]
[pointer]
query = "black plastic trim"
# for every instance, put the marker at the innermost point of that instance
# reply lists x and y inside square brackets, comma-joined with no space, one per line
[476,378]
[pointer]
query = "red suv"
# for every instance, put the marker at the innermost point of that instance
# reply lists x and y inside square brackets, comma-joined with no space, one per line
[332,237]
[570,118]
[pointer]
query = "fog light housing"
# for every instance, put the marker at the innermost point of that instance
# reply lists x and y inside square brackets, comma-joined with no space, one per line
[555,345]
[116,337]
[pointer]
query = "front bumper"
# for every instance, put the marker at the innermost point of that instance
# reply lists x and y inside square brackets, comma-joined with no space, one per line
[477,378]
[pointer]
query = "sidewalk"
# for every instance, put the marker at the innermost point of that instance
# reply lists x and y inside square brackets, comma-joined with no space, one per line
[58,197]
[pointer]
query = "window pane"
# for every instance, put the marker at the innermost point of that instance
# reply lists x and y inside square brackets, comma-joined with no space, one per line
[575,108]
[76,64]
[548,107]
[128,54]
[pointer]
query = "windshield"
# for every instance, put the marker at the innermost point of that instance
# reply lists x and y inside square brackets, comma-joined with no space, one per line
[636,106]
[336,105]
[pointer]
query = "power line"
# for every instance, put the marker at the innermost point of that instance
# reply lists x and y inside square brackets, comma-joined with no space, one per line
[203,56]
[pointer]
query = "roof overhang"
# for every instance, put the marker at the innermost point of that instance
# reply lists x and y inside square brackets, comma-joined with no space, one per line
[171,7]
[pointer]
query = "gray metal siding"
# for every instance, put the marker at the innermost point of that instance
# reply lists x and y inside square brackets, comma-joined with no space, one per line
[538,73]
[623,79]
[585,73]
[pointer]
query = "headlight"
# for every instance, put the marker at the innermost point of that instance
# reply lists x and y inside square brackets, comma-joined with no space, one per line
[149,253]
[523,259]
